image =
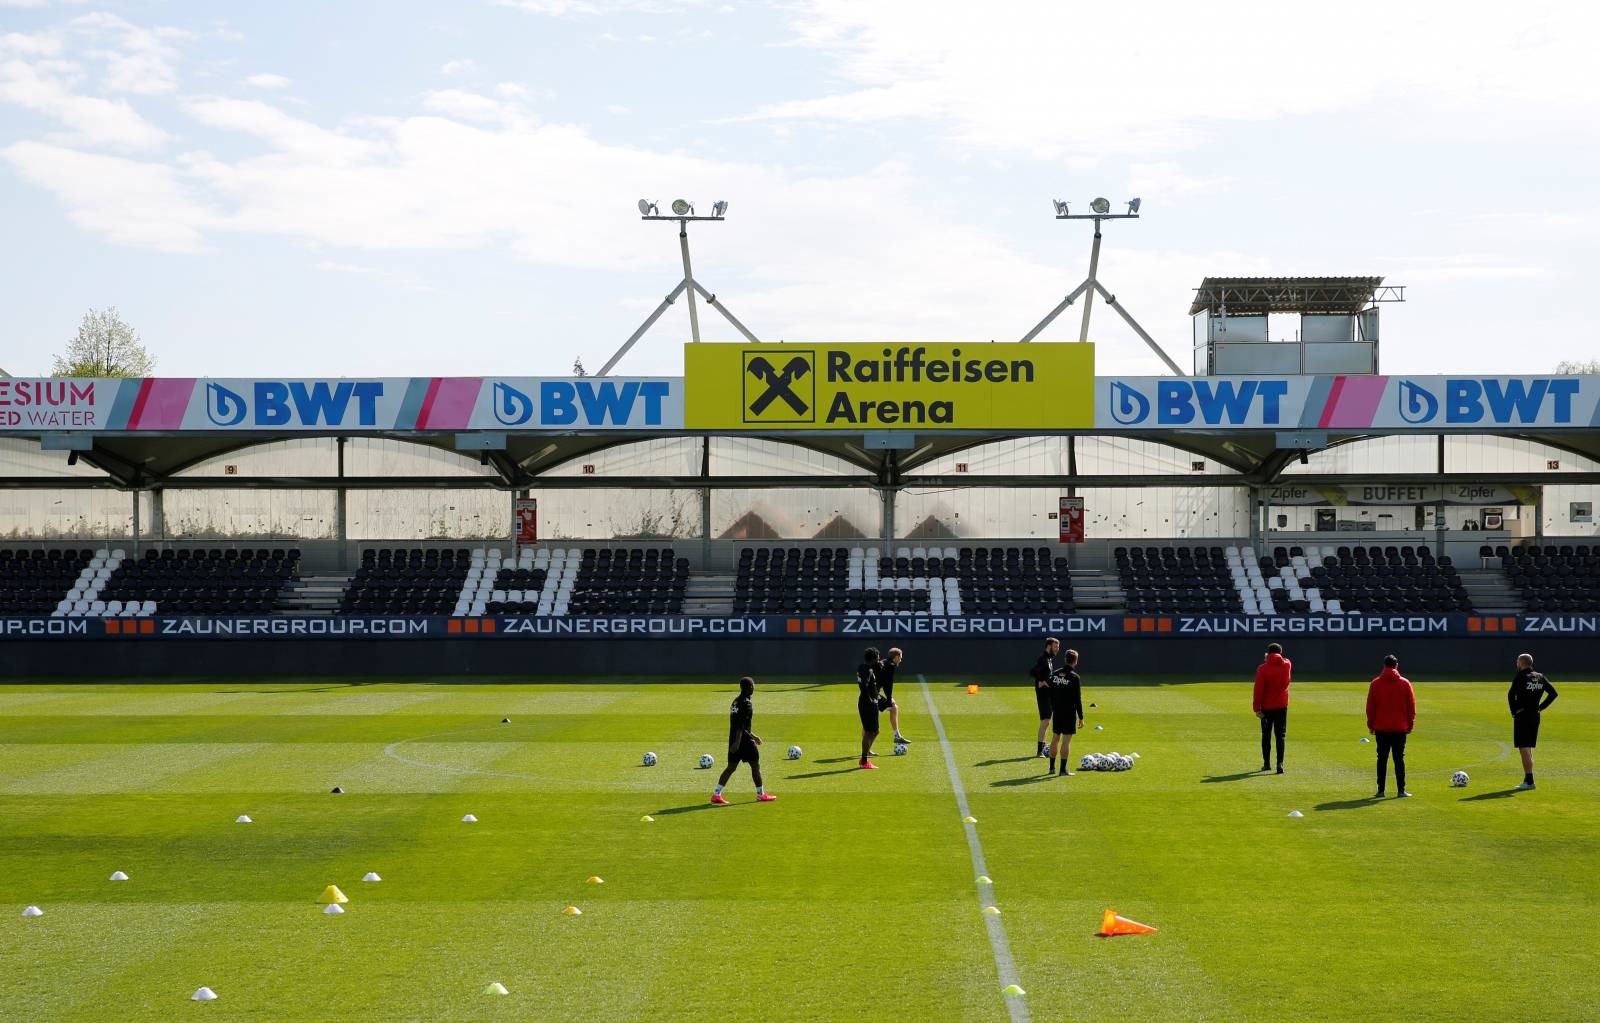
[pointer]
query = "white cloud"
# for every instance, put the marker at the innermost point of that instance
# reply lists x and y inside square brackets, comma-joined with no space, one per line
[570,8]
[618,109]
[268,82]
[459,67]
[127,201]
[47,87]
[138,60]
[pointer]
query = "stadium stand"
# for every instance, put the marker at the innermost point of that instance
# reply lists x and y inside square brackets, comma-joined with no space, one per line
[181,581]
[637,581]
[401,580]
[1563,577]
[33,581]
[1175,580]
[1345,579]
[913,581]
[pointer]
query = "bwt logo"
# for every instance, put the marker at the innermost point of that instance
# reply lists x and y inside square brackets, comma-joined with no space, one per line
[511,406]
[598,402]
[1212,402]
[1501,401]
[295,403]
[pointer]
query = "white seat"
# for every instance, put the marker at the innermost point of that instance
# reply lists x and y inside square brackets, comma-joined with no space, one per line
[113,608]
[1334,607]
[919,552]
[130,609]
[1275,583]
[902,552]
[119,554]
[873,554]
[147,609]
[1317,606]
[478,608]
[62,607]
[97,609]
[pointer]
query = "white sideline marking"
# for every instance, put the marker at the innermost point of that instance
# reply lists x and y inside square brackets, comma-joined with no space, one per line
[1004,965]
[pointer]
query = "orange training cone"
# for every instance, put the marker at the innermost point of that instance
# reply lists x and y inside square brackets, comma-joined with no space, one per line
[1111,925]
[972,690]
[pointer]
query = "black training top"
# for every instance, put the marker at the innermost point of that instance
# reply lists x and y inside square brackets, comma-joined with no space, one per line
[1066,694]
[1527,688]
[1043,668]
[867,679]
[740,715]
[885,674]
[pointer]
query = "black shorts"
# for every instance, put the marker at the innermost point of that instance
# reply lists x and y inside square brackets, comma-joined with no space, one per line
[1525,730]
[1064,724]
[749,753]
[1041,696]
[869,715]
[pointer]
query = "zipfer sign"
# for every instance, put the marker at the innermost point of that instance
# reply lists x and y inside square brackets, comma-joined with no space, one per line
[889,386]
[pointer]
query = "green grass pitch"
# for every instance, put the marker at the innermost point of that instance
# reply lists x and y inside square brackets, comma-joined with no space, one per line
[852,897]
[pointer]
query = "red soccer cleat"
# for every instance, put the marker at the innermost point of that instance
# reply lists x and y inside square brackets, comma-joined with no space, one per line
[766,797]
[867,765]
[717,800]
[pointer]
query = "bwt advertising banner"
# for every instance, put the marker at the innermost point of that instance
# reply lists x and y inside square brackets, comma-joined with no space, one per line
[978,386]
[352,404]
[1347,403]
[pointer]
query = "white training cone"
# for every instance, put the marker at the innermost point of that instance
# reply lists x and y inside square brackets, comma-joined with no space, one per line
[205,994]
[118,875]
[469,819]
[1296,813]
[332,909]
[371,875]
[33,911]
[969,820]
[992,910]
[984,879]
[1014,989]
[243,818]
[496,988]
[1099,728]
[647,819]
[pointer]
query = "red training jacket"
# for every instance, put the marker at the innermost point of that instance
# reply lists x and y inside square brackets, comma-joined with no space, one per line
[1391,703]
[1272,683]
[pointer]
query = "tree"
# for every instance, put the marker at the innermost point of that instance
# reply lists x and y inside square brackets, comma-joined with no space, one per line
[105,347]
[1578,367]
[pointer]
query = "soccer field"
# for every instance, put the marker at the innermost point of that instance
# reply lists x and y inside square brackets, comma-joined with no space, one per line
[853,896]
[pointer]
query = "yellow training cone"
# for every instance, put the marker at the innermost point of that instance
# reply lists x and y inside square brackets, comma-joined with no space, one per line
[992,910]
[984,879]
[496,988]
[972,690]
[648,819]
[332,894]
[595,879]
[969,820]
[1014,989]
[572,911]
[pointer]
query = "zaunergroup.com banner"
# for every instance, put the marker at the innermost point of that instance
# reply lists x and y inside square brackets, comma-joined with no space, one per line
[887,386]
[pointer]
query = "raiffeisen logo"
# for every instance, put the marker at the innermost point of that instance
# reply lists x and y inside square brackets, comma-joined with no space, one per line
[511,406]
[1417,403]
[1128,406]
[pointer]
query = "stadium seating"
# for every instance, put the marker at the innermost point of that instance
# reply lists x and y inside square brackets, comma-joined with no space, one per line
[1326,579]
[401,580]
[33,581]
[180,581]
[1553,577]
[1178,580]
[909,581]
[636,581]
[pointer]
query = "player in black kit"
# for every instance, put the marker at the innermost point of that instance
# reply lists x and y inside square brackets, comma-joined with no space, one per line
[743,744]
[1530,694]
[1066,710]
[867,704]
[886,669]
[1041,671]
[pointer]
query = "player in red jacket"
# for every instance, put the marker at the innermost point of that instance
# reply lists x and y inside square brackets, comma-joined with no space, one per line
[1391,714]
[1271,701]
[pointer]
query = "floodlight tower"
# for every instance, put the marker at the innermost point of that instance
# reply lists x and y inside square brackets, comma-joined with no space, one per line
[1099,210]
[682,212]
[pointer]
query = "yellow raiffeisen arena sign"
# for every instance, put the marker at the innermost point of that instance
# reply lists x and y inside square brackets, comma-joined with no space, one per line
[977,386]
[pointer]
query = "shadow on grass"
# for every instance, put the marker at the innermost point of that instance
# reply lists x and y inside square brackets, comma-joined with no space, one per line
[1241,776]
[1028,780]
[1502,794]
[335,687]
[836,760]
[690,809]
[997,763]
[822,774]
[1348,804]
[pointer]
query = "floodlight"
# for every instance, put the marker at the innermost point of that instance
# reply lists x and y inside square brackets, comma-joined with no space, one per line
[1100,206]
[1133,205]
[1061,207]
[719,207]
[682,207]
[648,208]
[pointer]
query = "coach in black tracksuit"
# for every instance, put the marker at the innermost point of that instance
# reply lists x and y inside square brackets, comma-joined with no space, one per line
[1041,672]
[1529,695]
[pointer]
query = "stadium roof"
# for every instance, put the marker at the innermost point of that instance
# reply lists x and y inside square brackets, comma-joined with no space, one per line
[1245,296]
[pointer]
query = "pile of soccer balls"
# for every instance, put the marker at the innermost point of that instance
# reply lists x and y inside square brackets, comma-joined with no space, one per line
[1105,762]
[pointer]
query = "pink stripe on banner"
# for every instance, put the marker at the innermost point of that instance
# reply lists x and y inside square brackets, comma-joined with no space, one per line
[1354,401]
[162,403]
[452,401]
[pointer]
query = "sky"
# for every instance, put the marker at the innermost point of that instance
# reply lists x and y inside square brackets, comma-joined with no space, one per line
[409,188]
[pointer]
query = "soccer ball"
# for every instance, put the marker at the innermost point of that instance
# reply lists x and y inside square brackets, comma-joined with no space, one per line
[649,760]
[1124,763]
[900,749]
[1459,780]
[794,753]
[705,760]
[1086,763]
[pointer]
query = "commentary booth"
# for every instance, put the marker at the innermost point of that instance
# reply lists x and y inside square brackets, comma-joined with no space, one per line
[852,448]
